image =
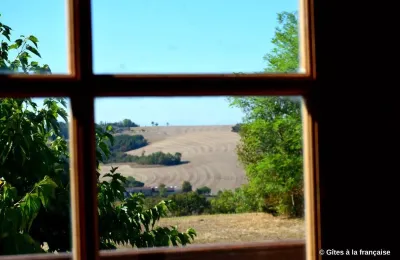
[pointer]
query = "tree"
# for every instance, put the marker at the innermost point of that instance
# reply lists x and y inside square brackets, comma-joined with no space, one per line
[190,203]
[186,186]
[236,128]
[203,190]
[152,123]
[34,169]
[284,57]
[132,182]
[271,145]
[126,122]
[163,190]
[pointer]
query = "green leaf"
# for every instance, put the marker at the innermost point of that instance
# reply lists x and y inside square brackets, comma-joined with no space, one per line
[4,46]
[33,50]
[45,190]
[30,208]
[18,42]
[34,40]
[13,46]
[9,192]
[23,58]
[34,63]
[109,128]
[6,34]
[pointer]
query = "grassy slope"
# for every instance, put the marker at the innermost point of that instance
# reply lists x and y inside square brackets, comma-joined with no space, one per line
[231,228]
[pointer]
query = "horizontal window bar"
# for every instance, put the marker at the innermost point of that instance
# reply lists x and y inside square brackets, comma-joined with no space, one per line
[289,249]
[172,85]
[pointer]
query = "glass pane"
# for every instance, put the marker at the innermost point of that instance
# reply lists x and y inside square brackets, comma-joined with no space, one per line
[33,35]
[34,176]
[225,36]
[231,167]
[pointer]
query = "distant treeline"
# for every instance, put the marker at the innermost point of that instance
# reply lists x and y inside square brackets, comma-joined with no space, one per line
[123,123]
[124,143]
[158,158]
[116,126]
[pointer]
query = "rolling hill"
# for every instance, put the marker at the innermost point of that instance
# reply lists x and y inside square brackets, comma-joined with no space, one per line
[208,153]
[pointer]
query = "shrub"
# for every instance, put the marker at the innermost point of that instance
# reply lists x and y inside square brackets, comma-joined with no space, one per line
[191,203]
[203,190]
[186,186]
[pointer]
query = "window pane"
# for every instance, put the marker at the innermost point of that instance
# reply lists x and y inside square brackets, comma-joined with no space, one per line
[34,37]
[34,176]
[225,36]
[232,168]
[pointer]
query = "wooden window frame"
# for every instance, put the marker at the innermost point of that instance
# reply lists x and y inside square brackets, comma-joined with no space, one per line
[83,189]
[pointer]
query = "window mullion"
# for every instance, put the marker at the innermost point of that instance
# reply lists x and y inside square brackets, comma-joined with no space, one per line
[85,242]
[83,179]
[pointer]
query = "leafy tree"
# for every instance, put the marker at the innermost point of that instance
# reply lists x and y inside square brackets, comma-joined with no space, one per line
[132,182]
[190,203]
[203,190]
[126,122]
[284,57]
[186,186]
[118,126]
[271,136]
[124,143]
[225,202]
[34,170]
[238,201]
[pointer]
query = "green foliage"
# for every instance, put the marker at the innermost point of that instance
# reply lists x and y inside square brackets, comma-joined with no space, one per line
[123,123]
[271,150]
[132,182]
[15,54]
[203,190]
[240,200]
[271,135]
[162,190]
[236,128]
[284,57]
[157,158]
[124,143]
[17,213]
[34,176]
[186,186]
[130,222]
[183,204]
[190,203]
[224,203]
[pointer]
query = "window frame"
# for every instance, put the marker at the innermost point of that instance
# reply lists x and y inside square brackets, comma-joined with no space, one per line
[83,186]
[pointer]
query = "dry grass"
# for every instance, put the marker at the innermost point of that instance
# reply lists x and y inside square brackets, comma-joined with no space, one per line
[235,228]
[246,227]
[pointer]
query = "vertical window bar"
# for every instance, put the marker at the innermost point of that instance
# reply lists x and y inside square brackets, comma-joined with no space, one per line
[85,241]
[306,36]
[311,176]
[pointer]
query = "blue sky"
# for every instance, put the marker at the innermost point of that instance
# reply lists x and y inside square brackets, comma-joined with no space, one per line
[158,36]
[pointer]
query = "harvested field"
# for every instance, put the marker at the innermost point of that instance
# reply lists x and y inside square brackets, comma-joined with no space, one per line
[209,151]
